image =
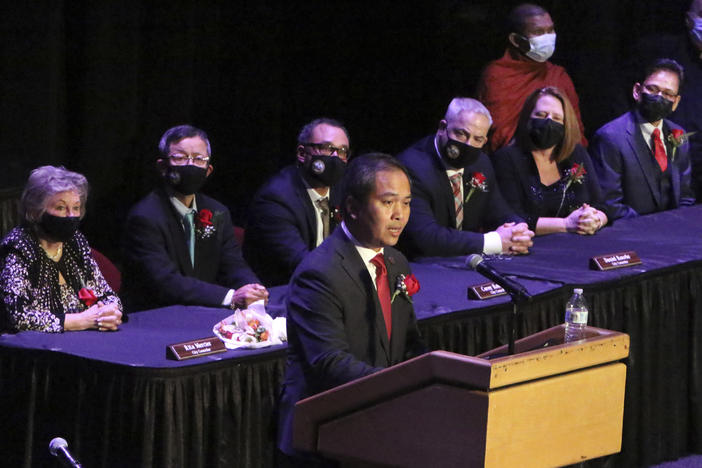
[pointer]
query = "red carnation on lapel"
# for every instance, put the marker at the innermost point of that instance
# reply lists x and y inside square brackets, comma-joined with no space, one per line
[87,297]
[478,181]
[204,217]
[203,224]
[677,133]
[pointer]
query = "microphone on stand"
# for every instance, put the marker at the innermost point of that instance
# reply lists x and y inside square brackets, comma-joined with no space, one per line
[58,447]
[516,290]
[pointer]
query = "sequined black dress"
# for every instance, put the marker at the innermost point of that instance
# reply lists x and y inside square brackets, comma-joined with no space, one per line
[32,298]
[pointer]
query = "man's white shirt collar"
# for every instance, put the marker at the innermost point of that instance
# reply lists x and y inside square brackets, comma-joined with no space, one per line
[365,253]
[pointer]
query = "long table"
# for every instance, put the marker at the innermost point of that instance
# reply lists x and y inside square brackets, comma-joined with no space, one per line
[120,402]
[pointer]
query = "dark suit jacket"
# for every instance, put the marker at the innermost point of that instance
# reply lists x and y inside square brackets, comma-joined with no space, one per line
[431,228]
[282,226]
[626,168]
[336,331]
[157,268]
[521,184]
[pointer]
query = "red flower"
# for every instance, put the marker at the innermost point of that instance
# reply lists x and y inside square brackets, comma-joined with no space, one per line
[677,133]
[204,217]
[478,181]
[412,284]
[577,171]
[405,285]
[87,297]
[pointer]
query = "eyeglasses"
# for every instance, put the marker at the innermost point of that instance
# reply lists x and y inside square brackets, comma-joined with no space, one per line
[179,159]
[327,149]
[653,89]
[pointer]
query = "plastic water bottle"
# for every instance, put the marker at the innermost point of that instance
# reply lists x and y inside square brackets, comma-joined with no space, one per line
[575,317]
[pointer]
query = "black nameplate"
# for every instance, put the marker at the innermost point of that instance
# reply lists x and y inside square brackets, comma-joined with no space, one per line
[195,348]
[485,291]
[615,260]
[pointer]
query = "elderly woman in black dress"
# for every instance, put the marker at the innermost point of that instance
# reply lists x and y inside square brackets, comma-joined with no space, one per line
[545,175]
[48,279]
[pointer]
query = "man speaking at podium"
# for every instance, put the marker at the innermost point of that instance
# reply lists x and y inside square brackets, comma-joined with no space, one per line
[348,314]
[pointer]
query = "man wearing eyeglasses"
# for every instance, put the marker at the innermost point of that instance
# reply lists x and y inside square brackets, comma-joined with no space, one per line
[179,245]
[298,207]
[642,158]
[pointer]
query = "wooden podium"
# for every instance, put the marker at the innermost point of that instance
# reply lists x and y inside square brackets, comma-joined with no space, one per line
[550,404]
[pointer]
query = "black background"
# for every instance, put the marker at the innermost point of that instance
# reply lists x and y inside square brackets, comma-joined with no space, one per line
[93,85]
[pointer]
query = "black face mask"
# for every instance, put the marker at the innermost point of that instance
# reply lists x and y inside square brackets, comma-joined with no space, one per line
[187,179]
[545,133]
[60,228]
[459,155]
[324,171]
[654,107]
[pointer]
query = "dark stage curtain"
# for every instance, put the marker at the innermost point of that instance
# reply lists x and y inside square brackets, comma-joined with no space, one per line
[112,417]
[93,85]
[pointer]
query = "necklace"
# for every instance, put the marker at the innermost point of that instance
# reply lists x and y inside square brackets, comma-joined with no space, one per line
[55,256]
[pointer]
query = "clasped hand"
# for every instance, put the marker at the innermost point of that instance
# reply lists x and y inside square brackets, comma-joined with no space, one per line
[586,220]
[107,317]
[249,293]
[100,316]
[516,238]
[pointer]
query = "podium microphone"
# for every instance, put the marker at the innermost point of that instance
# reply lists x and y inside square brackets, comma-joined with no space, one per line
[516,290]
[58,447]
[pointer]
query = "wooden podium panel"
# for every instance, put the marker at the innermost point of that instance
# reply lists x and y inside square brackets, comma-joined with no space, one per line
[558,421]
[549,405]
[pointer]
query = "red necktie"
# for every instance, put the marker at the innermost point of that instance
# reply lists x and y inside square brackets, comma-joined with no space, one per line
[381,282]
[659,152]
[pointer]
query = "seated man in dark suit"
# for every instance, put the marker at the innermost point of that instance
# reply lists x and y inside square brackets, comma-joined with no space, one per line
[455,195]
[297,208]
[344,319]
[642,163]
[179,245]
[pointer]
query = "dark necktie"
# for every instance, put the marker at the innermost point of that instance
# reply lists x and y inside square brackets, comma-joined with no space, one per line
[659,150]
[189,228]
[381,282]
[456,181]
[323,204]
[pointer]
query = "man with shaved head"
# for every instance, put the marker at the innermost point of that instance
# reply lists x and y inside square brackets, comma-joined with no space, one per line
[506,82]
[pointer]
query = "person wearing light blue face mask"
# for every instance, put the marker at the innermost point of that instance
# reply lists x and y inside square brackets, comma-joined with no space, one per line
[506,83]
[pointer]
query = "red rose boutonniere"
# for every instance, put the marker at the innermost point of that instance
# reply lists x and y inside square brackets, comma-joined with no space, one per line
[203,224]
[477,182]
[87,297]
[575,174]
[676,138]
[407,286]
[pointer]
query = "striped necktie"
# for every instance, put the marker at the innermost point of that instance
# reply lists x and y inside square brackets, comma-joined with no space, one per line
[456,181]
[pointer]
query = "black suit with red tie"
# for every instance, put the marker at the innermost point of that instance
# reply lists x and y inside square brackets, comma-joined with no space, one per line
[336,329]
